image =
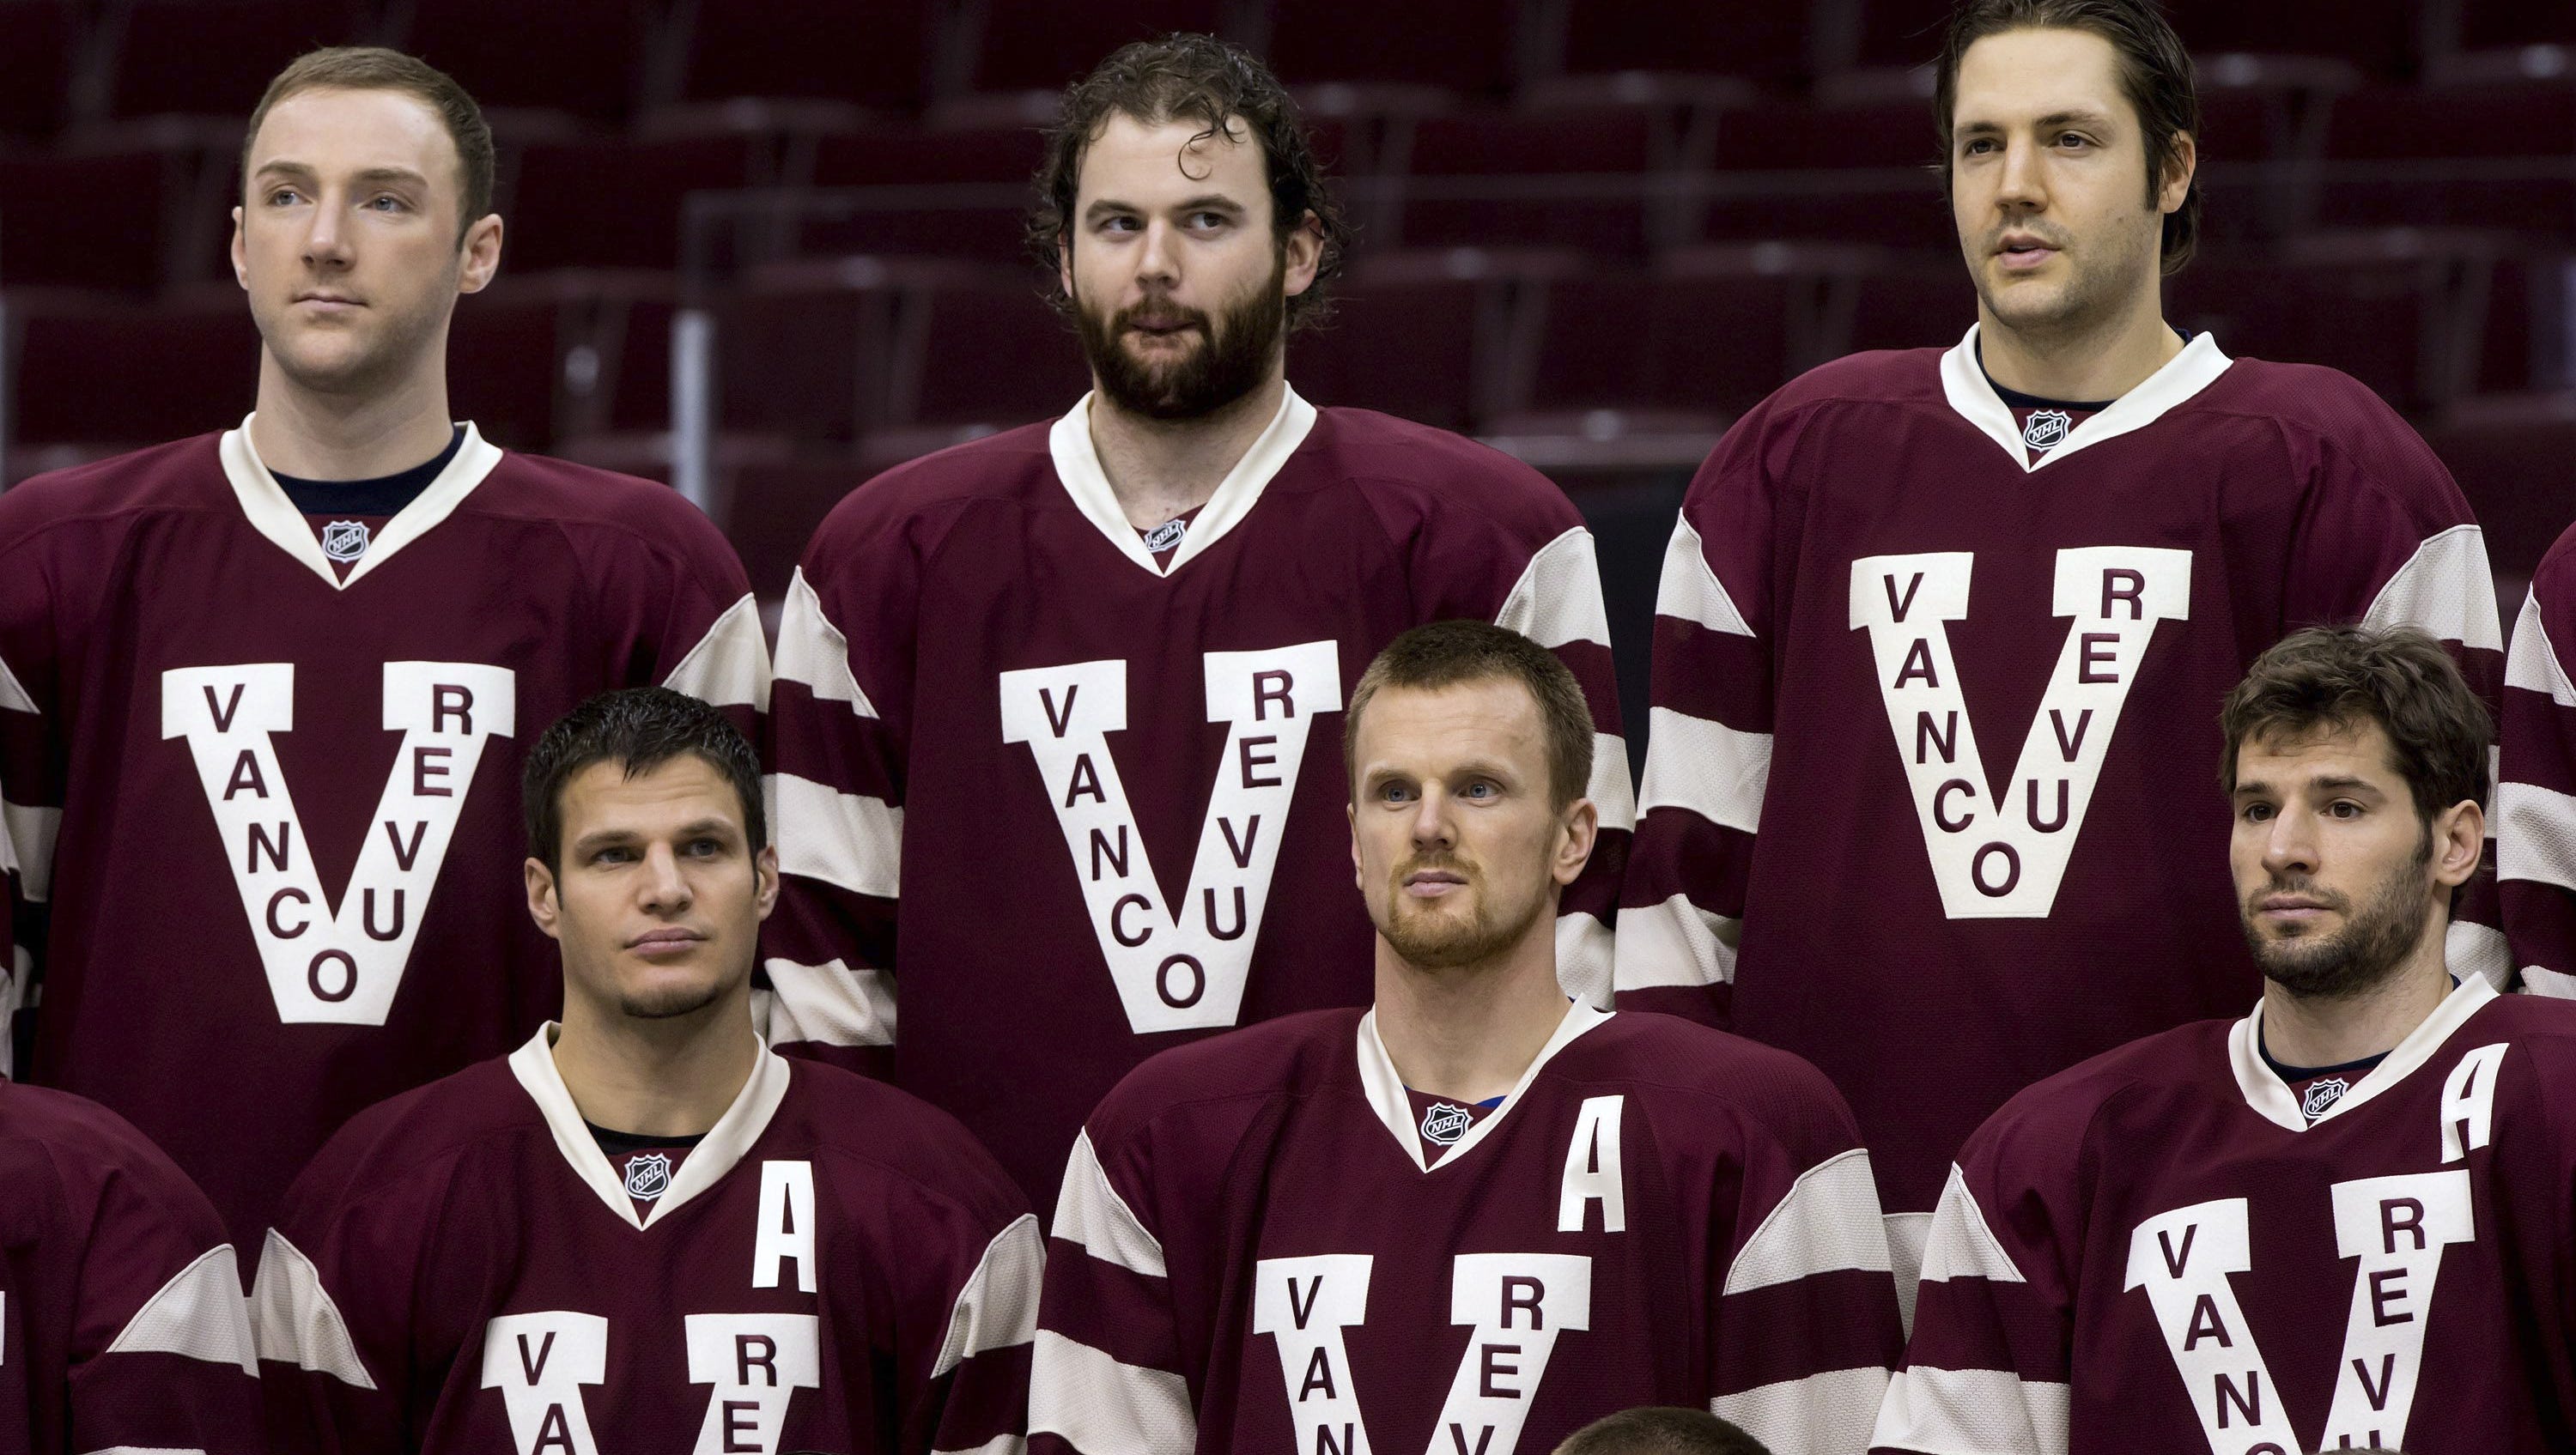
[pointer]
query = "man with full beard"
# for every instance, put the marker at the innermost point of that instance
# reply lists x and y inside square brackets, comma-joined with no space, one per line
[2249,1235]
[1475,1216]
[1078,668]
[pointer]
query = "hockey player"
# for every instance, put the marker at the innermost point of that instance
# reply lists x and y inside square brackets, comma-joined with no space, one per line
[2535,804]
[1940,630]
[2341,1222]
[1098,661]
[264,693]
[644,1222]
[1475,1215]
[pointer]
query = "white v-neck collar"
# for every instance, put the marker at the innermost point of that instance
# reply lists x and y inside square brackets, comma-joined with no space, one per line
[1384,1088]
[2270,1096]
[1077,464]
[273,515]
[713,1157]
[1964,384]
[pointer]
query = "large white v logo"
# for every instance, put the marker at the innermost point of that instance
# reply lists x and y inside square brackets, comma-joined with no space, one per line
[1179,968]
[342,963]
[2004,858]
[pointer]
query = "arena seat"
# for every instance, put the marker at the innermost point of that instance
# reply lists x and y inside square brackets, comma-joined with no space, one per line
[36,47]
[1044,47]
[2515,459]
[540,360]
[870,55]
[161,67]
[581,56]
[1465,46]
[1445,337]
[114,372]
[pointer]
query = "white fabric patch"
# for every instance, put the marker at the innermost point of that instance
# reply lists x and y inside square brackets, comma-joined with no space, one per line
[1586,959]
[1960,1244]
[1690,591]
[1101,1405]
[2535,834]
[1829,1222]
[2446,589]
[198,1313]
[2556,984]
[830,1003]
[1090,1214]
[1558,598]
[1609,789]
[2480,950]
[729,667]
[811,650]
[1707,767]
[27,837]
[845,839]
[1823,1414]
[293,1319]
[2531,662]
[1989,1411]
[1676,943]
[998,1307]
[14,695]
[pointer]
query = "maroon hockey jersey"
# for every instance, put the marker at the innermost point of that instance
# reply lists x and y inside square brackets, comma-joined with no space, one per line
[1931,793]
[2535,801]
[2156,1253]
[121,1318]
[273,815]
[1086,777]
[835,1266]
[1253,1253]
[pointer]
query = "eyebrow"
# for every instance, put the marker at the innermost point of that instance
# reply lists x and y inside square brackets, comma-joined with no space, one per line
[288,168]
[1204,202]
[2055,118]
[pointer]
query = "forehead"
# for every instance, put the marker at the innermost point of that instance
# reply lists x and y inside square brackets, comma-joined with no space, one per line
[337,128]
[684,789]
[2023,74]
[1141,161]
[2284,759]
[1425,729]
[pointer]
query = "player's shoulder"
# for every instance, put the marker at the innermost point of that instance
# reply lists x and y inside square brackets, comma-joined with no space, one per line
[415,1138]
[2051,1120]
[1705,1075]
[1233,1072]
[869,1124]
[1872,376]
[1001,466]
[73,1143]
[181,475]
[566,491]
[2327,411]
[2544,1025]
[1435,472]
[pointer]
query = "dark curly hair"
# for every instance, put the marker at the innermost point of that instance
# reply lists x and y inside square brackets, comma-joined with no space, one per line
[1203,79]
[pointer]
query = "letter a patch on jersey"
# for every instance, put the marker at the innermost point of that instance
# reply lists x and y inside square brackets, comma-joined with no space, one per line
[336,961]
[2004,858]
[540,1362]
[1181,967]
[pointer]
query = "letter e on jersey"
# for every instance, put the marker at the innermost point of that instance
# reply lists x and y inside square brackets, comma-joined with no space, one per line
[1516,1304]
[756,1362]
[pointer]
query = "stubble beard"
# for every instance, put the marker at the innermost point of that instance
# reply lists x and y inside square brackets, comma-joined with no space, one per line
[1233,357]
[2093,294]
[375,365]
[2363,954]
[1448,942]
[671,1004]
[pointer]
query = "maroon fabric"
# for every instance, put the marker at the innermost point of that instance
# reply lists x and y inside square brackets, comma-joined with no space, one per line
[2295,497]
[2535,807]
[1261,1146]
[97,1220]
[435,1214]
[2410,1249]
[567,580]
[948,573]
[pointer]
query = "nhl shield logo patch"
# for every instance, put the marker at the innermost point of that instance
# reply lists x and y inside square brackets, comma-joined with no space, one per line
[2322,1095]
[1167,535]
[1445,1124]
[344,540]
[2046,428]
[648,1176]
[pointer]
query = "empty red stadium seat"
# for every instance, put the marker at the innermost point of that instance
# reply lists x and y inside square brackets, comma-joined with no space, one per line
[871,55]
[119,373]
[36,40]
[1459,45]
[1046,47]
[214,57]
[2515,458]
[1445,337]
[581,56]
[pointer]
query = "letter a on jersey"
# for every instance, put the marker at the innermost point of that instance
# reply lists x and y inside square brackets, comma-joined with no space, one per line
[539,1362]
[1177,968]
[2003,859]
[342,962]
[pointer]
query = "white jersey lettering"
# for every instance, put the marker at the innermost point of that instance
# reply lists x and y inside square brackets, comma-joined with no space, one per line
[1516,1303]
[2396,1227]
[2183,1259]
[1305,1303]
[756,1363]
[785,1231]
[1592,1169]
[539,1362]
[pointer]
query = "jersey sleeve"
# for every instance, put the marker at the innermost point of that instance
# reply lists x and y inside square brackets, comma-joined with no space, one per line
[34,754]
[1708,751]
[977,1396]
[2535,801]
[1107,1375]
[701,632]
[838,743]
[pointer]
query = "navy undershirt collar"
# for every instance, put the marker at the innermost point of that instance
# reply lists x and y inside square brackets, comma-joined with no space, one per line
[619,1144]
[2292,1075]
[384,495]
[2015,399]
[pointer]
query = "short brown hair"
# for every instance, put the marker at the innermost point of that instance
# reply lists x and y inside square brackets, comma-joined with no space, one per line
[1203,79]
[639,729]
[1447,653]
[2155,74]
[376,68]
[2343,677]
[1660,1430]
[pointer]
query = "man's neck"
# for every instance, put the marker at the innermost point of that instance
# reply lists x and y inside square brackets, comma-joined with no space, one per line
[2332,1031]
[316,436]
[658,1078]
[2101,359]
[1162,468]
[1467,1033]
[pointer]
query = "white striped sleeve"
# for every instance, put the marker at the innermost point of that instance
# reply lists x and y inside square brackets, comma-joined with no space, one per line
[729,666]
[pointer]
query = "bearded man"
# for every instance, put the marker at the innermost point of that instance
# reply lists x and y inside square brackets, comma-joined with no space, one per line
[1078,667]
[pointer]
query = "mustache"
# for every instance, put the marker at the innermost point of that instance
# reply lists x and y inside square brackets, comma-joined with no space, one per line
[1162,314]
[2303,886]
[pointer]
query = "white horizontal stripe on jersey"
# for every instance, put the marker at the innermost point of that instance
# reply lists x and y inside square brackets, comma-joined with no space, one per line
[1558,597]
[1091,1215]
[199,1313]
[998,1307]
[1586,959]
[293,1319]
[812,651]
[1823,1414]
[1907,1232]
[27,836]
[13,694]
[1103,1407]
[1690,591]
[998,1445]
[1989,1411]
[729,667]
[1609,789]
[1827,1223]
[844,839]
[830,1003]
[2532,662]
[2446,589]
[1676,943]
[2469,948]
[1707,767]
[2556,984]
[1961,1245]
[2535,834]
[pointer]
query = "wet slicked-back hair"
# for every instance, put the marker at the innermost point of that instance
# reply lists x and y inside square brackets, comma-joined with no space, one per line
[2155,74]
[1447,653]
[2343,677]
[1201,79]
[377,68]
[1661,1430]
[639,728]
